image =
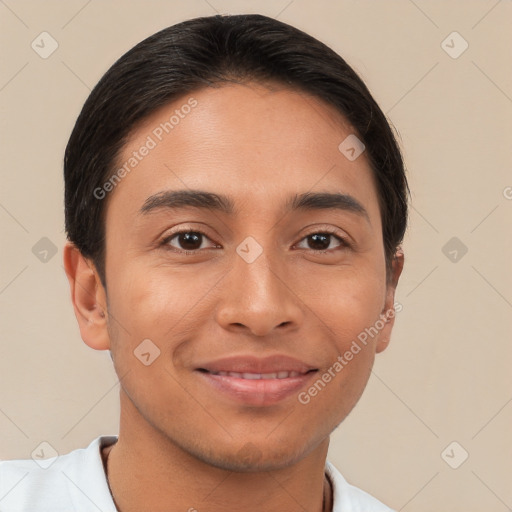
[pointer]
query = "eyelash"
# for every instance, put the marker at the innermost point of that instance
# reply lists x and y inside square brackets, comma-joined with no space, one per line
[344,244]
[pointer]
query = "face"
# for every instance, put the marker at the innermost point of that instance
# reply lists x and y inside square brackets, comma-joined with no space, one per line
[249,294]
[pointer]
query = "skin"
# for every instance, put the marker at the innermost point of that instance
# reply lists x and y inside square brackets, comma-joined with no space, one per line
[182,444]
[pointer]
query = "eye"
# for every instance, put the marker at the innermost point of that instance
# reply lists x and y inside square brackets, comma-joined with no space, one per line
[324,241]
[187,241]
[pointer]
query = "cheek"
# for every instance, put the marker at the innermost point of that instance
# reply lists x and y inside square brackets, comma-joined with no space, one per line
[336,391]
[348,308]
[158,303]
[341,382]
[349,303]
[148,308]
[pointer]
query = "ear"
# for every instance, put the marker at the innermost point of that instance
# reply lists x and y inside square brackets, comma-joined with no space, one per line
[389,311]
[88,297]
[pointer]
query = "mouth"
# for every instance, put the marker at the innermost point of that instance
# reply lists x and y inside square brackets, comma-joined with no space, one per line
[257,376]
[256,382]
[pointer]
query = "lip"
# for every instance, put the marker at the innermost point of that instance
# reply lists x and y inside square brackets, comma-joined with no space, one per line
[265,383]
[252,364]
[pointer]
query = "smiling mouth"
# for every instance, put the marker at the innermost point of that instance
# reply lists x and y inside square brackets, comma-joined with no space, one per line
[257,389]
[258,376]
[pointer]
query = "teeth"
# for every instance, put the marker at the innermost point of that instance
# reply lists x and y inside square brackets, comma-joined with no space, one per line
[251,376]
[257,376]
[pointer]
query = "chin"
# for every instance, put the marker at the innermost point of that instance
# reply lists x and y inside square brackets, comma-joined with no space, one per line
[254,457]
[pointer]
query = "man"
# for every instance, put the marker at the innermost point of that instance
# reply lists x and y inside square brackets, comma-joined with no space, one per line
[235,203]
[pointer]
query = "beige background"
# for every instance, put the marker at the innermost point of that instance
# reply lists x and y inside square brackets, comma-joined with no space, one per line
[446,376]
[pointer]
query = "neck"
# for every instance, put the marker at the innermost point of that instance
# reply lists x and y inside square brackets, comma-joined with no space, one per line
[147,471]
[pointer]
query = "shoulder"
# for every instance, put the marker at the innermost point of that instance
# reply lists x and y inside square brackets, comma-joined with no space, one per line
[74,481]
[347,498]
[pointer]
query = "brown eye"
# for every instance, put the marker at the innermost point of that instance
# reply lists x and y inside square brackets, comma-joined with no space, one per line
[190,240]
[323,242]
[319,241]
[186,240]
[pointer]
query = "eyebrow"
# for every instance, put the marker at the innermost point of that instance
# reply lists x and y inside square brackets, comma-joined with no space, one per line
[174,199]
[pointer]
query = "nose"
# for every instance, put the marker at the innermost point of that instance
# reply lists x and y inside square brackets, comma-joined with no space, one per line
[259,297]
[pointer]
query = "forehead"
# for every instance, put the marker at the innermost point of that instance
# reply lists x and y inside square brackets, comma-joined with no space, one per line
[252,142]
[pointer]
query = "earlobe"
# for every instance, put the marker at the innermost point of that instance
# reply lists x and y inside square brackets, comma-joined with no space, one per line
[88,297]
[389,311]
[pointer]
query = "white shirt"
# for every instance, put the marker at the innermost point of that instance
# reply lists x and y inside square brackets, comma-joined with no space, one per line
[76,482]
